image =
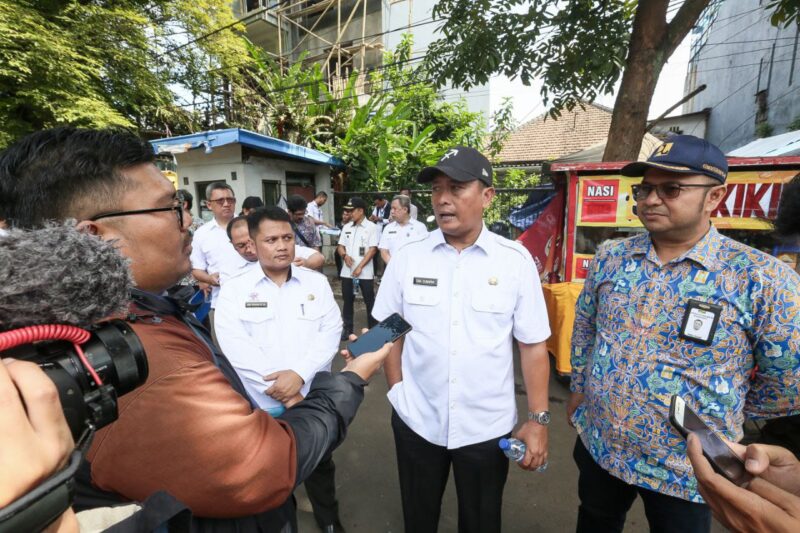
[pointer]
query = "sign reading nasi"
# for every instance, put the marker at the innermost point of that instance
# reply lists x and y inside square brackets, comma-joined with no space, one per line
[750,202]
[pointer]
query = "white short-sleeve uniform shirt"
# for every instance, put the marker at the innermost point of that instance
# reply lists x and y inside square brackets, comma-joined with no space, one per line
[212,252]
[263,328]
[357,240]
[465,309]
[394,235]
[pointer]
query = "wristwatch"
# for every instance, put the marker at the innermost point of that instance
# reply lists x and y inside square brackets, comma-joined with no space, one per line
[542,417]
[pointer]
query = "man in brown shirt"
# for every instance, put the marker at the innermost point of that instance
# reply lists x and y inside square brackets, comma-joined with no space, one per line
[191,429]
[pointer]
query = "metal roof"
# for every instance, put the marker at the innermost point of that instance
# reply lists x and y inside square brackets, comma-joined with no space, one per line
[777,145]
[212,139]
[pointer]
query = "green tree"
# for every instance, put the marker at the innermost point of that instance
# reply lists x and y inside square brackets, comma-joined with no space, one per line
[578,48]
[112,63]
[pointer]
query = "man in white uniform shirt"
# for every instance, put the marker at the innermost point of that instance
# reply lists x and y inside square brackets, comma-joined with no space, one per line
[314,209]
[468,294]
[414,210]
[400,229]
[213,258]
[279,325]
[358,244]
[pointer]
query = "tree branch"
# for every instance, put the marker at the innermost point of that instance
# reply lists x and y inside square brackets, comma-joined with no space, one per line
[679,26]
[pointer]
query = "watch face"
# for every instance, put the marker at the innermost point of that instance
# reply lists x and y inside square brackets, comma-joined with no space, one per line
[544,417]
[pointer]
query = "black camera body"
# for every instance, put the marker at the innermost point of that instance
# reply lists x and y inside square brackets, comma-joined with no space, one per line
[115,353]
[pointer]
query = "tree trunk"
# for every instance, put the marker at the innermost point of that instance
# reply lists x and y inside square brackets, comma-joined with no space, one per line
[652,42]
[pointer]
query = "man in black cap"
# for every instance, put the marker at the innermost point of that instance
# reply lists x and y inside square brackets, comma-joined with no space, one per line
[468,293]
[358,244]
[679,310]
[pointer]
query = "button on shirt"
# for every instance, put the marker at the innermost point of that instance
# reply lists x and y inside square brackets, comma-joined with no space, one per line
[465,309]
[628,358]
[263,328]
[357,240]
[212,252]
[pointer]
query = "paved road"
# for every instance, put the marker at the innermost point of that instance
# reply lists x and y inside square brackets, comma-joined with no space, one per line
[367,484]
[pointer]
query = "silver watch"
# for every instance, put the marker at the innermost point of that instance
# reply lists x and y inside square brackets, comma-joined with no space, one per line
[542,417]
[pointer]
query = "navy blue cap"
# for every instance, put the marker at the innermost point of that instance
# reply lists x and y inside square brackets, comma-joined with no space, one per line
[354,203]
[683,154]
[460,163]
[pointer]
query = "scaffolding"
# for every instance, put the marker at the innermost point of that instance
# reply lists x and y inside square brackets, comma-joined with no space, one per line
[343,36]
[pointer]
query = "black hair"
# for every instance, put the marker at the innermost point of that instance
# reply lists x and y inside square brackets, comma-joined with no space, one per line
[232,223]
[188,198]
[296,203]
[379,197]
[67,172]
[271,212]
[217,186]
[788,221]
[252,202]
[321,193]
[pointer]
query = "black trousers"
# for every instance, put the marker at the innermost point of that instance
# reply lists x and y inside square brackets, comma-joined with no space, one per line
[605,500]
[321,490]
[367,289]
[480,472]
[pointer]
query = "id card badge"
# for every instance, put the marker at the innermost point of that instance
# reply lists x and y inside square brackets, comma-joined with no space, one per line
[700,322]
[362,251]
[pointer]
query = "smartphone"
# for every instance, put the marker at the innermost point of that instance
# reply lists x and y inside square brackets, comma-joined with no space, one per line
[389,330]
[724,461]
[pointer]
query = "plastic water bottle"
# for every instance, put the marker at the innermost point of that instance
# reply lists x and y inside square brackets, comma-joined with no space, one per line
[356,286]
[514,449]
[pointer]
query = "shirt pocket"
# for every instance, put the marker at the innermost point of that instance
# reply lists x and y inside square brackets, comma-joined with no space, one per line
[421,307]
[494,309]
[308,315]
[257,321]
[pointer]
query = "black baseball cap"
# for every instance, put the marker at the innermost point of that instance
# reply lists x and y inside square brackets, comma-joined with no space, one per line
[354,203]
[683,154]
[460,163]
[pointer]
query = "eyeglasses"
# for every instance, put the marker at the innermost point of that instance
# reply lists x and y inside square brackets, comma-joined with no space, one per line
[223,201]
[665,191]
[177,207]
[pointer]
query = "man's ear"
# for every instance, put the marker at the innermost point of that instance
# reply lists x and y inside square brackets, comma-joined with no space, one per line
[714,197]
[87,226]
[488,195]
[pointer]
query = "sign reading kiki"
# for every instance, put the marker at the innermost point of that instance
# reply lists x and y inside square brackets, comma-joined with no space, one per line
[600,198]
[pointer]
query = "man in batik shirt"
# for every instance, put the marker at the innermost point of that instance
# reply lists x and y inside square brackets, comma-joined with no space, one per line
[679,310]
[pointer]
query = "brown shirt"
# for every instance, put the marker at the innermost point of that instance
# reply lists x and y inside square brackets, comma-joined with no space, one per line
[188,432]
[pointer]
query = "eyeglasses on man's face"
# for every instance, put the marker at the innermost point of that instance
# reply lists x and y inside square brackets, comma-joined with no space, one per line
[665,191]
[219,202]
[177,206]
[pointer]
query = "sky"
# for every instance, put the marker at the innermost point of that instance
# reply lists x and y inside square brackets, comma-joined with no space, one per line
[528,102]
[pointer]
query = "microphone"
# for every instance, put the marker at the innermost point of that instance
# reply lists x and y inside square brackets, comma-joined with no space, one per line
[60,275]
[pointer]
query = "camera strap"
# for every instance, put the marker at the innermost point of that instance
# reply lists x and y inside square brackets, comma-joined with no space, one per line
[41,506]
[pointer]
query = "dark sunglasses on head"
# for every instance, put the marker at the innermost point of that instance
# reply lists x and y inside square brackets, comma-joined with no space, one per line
[665,191]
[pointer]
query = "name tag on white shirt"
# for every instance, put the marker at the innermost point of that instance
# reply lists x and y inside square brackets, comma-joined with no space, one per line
[428,282]
[255,304]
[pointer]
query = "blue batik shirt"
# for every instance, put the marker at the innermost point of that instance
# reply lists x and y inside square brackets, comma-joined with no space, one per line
[628,358]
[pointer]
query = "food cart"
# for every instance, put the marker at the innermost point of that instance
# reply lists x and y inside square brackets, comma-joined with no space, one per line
[597,205]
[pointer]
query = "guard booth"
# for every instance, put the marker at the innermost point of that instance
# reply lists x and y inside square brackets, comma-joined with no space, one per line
[598,205]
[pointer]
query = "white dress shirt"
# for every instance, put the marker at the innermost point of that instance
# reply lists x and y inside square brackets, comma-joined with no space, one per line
[394,235]
[413,211]
[212,252]
[357,240]
[465,309]
[314,211]
[263,328]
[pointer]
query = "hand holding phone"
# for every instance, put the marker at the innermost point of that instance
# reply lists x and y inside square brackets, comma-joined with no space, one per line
[388,330]
[723,460]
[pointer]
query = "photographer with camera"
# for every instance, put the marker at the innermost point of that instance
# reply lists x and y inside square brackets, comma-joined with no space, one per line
[190,429]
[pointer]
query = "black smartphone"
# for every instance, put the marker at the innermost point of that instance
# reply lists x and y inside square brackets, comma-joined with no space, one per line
[389,330]
[724,461]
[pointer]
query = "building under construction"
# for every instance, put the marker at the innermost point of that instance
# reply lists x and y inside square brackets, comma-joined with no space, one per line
[343,35]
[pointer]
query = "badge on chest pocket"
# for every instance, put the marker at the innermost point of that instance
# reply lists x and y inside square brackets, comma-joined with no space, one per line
[700,322]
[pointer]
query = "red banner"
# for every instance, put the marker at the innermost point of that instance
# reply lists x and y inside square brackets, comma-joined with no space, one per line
[544,238]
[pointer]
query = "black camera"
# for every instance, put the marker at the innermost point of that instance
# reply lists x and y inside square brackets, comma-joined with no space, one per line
[113,351]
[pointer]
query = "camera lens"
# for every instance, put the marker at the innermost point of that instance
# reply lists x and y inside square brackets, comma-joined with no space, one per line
[116,354]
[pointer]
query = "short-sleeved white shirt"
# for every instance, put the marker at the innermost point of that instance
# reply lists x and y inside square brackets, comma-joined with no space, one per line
[314,211]
[357,240]
[263,328]
[395,235]
[212,252]
[465,309]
